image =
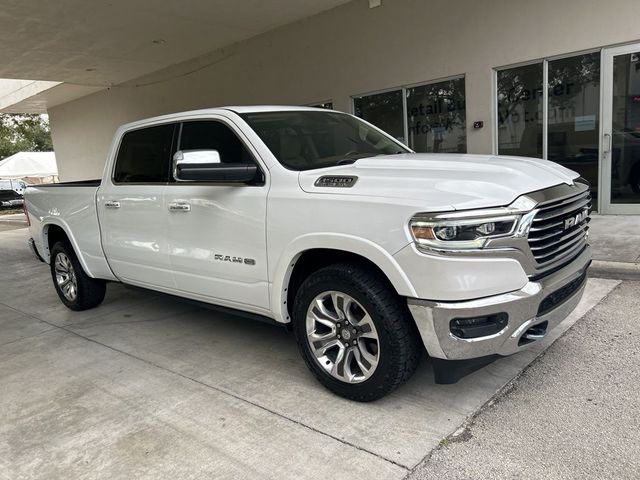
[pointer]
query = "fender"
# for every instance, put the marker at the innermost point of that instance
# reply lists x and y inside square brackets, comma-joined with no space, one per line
[59,222]
[347,243]
[46,254]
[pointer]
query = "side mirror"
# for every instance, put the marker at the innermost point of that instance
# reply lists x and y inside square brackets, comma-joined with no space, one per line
[205,166]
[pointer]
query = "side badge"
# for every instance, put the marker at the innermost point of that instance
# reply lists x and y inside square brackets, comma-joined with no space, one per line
[336,181]
[229,258]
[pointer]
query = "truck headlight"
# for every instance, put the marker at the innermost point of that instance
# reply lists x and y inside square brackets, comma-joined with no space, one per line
[460,233]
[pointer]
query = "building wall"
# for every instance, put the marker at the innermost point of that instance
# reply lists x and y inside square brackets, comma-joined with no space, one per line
[347,51]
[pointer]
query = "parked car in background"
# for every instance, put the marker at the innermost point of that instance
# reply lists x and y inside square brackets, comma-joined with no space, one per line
[319,221]
[11,193]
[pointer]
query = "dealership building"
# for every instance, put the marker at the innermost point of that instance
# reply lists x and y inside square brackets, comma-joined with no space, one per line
[536,78]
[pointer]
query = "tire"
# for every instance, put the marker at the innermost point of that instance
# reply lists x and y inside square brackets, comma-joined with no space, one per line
[372,315]
[75,288]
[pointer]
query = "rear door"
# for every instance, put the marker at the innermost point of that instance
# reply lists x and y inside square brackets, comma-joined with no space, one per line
[131,208]
[217,231]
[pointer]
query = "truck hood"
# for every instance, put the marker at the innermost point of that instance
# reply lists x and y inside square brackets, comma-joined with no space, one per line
[443,181]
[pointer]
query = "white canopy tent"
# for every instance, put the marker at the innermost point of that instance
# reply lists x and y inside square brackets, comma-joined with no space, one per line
[34,167]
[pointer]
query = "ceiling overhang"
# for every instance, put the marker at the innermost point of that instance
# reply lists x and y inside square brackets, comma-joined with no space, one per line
[70,48]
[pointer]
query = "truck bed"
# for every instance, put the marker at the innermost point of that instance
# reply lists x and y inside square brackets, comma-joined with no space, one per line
[72,207]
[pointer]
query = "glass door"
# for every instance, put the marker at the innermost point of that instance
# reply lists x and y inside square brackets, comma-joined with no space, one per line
[620,165]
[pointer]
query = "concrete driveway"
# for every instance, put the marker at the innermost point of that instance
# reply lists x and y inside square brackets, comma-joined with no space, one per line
[12,221]
[571,415]
[149,387]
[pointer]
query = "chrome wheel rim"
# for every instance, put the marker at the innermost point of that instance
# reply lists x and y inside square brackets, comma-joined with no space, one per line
[66,277]
[342,337]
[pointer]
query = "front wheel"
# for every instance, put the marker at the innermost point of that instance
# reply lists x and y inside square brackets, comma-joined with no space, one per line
[76,289]
[354,332]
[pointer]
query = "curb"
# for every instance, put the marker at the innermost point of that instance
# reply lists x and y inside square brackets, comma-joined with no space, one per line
[615,270]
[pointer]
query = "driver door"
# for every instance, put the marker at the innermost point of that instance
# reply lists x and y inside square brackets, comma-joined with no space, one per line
[217,238]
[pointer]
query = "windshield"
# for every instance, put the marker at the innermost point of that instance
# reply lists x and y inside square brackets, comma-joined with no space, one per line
[305,139]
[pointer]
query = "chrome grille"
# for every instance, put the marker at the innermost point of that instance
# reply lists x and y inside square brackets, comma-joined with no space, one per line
[558,231]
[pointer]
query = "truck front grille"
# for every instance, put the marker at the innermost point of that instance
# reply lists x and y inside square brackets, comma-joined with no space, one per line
[559,230]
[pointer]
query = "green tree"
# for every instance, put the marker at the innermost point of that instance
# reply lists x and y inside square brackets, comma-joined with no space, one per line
[24,133]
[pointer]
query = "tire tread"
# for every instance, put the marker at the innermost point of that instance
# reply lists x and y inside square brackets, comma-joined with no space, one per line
[394,318]
[91,291]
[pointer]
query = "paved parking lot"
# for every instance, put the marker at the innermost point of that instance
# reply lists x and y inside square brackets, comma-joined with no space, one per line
[11,221]
[573,413]
[146,386]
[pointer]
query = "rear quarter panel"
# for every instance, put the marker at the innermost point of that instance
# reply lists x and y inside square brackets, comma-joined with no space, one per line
[72,208]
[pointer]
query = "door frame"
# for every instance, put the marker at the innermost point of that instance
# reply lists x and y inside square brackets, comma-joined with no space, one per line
[606,116]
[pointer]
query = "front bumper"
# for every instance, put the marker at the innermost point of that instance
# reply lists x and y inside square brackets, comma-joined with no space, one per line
[524,307]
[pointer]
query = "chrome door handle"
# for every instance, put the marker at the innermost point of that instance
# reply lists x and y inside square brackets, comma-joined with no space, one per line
[179,207]
[111,204]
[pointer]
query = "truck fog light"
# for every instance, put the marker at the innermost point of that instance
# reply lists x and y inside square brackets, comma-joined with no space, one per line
[474,327]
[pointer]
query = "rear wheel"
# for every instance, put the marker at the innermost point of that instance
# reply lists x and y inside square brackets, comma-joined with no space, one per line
[76,289]
[354,332]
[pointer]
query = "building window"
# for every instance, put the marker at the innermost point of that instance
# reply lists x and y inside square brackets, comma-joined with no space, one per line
[625,129]
[384,110]
[569,133]
[436,117]
[573,114]
[520,111]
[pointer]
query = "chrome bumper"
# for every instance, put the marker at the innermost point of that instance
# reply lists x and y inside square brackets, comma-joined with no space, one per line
[522,307]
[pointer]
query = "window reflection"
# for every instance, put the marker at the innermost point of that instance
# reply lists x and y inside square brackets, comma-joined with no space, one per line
[436,117]
[384,110]
[520,111]
[573,113]
[625,138]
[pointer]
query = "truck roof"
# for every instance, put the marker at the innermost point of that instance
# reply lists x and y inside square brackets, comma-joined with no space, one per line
[209,111]
[269,108]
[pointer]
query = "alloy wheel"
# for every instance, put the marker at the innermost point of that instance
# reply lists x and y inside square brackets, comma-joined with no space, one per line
[66,277]
[342,337]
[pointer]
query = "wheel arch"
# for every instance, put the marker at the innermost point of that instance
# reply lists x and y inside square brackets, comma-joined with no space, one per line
[54,231]
[311,252]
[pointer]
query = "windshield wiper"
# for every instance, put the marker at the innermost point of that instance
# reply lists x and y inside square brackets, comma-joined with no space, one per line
[353,157]
[346,161]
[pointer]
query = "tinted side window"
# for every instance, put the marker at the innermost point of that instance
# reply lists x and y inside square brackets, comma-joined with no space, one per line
[211,135]
[145,155]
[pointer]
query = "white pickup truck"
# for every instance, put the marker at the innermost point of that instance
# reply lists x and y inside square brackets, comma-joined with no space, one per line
[318,220]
